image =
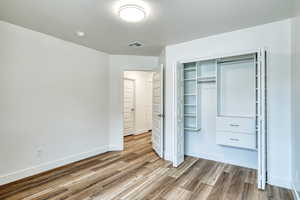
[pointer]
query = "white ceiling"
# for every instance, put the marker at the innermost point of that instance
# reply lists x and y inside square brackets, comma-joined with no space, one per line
[170,21]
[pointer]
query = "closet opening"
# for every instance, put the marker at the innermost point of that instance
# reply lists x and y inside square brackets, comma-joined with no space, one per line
[221,111]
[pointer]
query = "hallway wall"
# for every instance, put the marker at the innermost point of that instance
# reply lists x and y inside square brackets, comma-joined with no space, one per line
[143,99]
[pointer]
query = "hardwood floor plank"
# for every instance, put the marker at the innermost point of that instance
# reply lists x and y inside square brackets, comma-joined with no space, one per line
[220,188]
[235,189]
[202,191]
[137,173]
[179,194]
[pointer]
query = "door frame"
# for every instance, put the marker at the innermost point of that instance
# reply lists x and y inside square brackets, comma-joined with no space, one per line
[134,103]
[121,112]
[262,150]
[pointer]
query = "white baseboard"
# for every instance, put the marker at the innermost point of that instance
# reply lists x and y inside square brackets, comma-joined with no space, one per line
[218,158]
[279,182]
[295,193]
[7,178]
[115,148]
[137,132]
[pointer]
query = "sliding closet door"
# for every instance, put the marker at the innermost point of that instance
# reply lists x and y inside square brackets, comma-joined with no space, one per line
[261,125]
[157,111]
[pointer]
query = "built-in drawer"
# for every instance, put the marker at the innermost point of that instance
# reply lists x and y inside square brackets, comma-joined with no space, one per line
[236,124]
[240,140]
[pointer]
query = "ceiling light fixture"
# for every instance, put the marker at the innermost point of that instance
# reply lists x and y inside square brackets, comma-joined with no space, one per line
[80,33]
[132,13]
[132,10]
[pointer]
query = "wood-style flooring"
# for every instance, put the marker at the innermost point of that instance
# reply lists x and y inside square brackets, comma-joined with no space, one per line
[137,173]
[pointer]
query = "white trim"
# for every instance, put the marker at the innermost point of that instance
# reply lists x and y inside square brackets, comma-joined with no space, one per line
[295,193]
[137,132]
[174,116]
[131,133]
[7,178]
[115,148]
[279,182]
[217,56]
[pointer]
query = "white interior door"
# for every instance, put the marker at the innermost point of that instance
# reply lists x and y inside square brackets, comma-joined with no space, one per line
[261,120]
[148,113]
[129,106]
[157,111]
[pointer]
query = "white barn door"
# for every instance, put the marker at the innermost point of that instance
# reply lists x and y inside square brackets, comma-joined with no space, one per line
[157,111]
[129,107]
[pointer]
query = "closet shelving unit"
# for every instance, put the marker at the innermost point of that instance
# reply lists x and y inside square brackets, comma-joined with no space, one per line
[207,72]
[195,74]
[239,81]
[190,97]
[237,102]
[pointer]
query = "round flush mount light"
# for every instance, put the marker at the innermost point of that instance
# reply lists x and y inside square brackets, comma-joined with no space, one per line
[132,13]
[132,10]
[80,33]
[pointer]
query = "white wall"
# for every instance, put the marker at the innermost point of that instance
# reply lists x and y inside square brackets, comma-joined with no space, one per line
[296,97]
[53,105]
[143,99]
[203,144]
[119,64]
[275,37]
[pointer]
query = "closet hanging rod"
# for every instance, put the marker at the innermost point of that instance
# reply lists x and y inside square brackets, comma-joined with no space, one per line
[235,60]
[206,81]
[192,129]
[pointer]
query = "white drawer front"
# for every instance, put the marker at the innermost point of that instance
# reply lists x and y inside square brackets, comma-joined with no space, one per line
[232,124]
[236,140]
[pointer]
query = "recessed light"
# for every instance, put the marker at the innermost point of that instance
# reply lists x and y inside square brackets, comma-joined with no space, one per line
[132,10]
[80,33]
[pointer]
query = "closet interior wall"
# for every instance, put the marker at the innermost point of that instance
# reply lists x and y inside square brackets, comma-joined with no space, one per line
[219,110]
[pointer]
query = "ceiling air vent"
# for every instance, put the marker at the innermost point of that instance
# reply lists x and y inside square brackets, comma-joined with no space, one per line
[135,44]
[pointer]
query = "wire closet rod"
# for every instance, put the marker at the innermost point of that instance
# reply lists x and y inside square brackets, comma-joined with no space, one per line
[235,60]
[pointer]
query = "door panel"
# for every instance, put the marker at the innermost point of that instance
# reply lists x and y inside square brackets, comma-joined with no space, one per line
[261,86]
[157,119]
[179,139]
[129,107]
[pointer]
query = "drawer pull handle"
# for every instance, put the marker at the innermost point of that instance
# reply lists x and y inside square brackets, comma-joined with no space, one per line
[234,125]
[234,139]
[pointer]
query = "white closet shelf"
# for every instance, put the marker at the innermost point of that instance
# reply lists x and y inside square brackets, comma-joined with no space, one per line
[193,129]
[190,115]
[190,69]
[191,94]
[190,79]
[205,79]
[190,105]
